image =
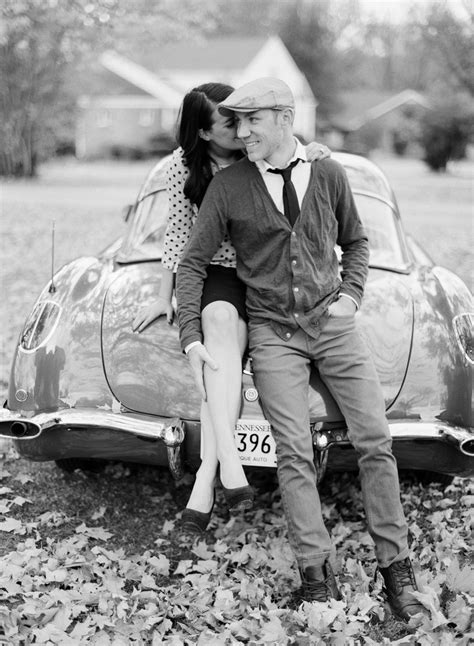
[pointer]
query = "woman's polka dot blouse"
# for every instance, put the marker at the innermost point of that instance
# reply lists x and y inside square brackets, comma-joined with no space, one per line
[181,217]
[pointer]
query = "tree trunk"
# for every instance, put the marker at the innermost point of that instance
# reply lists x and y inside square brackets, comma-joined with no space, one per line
[19,159]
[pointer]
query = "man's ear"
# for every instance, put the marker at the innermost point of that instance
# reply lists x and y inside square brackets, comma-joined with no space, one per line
[203,134]
[288,116]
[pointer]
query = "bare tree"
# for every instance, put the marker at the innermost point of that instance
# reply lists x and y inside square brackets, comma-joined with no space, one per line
[41,40]
[308,31]
[449,38]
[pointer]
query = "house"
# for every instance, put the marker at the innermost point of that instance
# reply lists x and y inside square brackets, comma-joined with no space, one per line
[371,119]
[126,102]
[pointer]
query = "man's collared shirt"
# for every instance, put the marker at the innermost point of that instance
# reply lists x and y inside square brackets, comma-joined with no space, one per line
[299,176]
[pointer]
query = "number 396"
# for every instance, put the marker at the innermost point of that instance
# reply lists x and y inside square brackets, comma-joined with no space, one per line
[252,441]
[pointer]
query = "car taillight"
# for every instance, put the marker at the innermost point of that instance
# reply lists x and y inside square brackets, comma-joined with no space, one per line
[40,325]
[464,330]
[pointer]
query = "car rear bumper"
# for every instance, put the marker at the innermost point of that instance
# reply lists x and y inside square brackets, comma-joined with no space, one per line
[96,434]
[421,446]
[91,433]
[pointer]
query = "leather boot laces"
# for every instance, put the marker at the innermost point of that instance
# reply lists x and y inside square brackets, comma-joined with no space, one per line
[403,574]
[317,590]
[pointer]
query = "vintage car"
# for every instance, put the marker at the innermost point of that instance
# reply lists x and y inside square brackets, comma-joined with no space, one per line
[85,387]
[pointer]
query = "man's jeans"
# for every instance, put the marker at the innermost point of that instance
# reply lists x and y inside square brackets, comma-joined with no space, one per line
[282,370]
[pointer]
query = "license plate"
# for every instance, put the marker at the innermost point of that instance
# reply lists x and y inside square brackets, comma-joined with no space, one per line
[255,443]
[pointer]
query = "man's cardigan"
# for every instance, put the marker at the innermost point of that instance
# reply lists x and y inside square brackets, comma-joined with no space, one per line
[292,274]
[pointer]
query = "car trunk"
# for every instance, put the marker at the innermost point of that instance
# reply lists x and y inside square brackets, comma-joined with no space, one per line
[148,372]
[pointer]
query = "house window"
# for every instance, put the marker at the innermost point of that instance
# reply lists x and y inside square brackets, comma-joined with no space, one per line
[168,118]
[103,118]
[146,118]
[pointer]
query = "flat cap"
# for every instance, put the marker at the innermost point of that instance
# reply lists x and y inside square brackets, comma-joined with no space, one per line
[264,93]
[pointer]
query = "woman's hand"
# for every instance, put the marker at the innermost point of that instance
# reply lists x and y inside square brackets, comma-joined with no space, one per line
[160,307]
[315,151]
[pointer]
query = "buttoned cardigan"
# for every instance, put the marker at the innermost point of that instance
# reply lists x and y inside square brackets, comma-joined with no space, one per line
[292,273]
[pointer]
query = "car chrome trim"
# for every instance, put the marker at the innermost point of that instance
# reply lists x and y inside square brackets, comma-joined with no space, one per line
[170,431]
[137,261]
[462,438]
[14,425]
[463,325]
[42,305]
[21,395]
[377,196]
[395,270]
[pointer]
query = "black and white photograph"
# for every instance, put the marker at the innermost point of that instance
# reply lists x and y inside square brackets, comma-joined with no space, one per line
[237,322]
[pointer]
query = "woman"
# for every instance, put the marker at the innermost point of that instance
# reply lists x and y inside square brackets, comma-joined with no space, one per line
[208,143]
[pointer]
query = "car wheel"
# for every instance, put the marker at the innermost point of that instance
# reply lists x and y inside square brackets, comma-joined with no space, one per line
[71,464]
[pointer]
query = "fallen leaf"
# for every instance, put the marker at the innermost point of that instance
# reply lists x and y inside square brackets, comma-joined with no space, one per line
[11,525]
[98,533]
[99,513]
[460,579]
[24,478]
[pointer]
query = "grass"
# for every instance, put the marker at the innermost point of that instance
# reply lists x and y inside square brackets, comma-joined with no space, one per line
[437,210]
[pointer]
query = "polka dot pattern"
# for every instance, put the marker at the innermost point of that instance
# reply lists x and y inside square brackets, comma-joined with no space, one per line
[181,218]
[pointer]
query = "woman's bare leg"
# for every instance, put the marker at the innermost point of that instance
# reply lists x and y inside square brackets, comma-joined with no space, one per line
[202,495]
[225,338]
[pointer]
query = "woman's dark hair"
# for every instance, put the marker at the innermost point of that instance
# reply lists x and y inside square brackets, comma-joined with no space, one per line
[196,114]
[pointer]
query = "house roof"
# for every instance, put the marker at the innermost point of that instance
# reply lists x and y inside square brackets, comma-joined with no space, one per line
[216,53]
[362,106]
[166,73]
[156,72]
[98,78]
[141,77]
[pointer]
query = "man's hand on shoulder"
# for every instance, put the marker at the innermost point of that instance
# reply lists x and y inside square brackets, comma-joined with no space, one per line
[199,357]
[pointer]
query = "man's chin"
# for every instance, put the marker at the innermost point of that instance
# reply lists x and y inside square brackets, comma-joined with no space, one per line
[253,155]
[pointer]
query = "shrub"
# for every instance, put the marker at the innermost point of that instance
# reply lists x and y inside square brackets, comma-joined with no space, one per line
[446,131]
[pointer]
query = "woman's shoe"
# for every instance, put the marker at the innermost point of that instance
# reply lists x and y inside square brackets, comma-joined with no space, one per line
[239,498]
[196,522]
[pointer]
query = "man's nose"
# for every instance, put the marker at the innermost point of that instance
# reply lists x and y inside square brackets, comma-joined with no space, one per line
[242,130]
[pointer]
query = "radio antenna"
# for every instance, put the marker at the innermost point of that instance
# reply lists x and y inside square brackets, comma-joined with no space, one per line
[52,287]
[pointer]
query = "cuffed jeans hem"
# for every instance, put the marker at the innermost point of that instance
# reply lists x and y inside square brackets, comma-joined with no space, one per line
[399,557]
[316,560]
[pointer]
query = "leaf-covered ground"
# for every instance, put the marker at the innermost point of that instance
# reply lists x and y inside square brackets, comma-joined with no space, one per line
[98,558]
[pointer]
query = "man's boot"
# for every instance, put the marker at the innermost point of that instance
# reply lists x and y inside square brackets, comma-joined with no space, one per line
[319,583]
[400,582]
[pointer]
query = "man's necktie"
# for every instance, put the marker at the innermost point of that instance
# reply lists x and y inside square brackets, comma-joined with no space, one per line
[291,207]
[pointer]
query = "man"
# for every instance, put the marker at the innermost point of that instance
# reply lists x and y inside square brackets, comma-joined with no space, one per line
[301,314]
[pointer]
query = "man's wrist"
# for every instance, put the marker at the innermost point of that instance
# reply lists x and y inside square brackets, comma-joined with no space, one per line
[191,345]
[352,299]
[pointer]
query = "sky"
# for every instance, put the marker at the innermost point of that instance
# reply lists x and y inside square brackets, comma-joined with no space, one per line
[396,10]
